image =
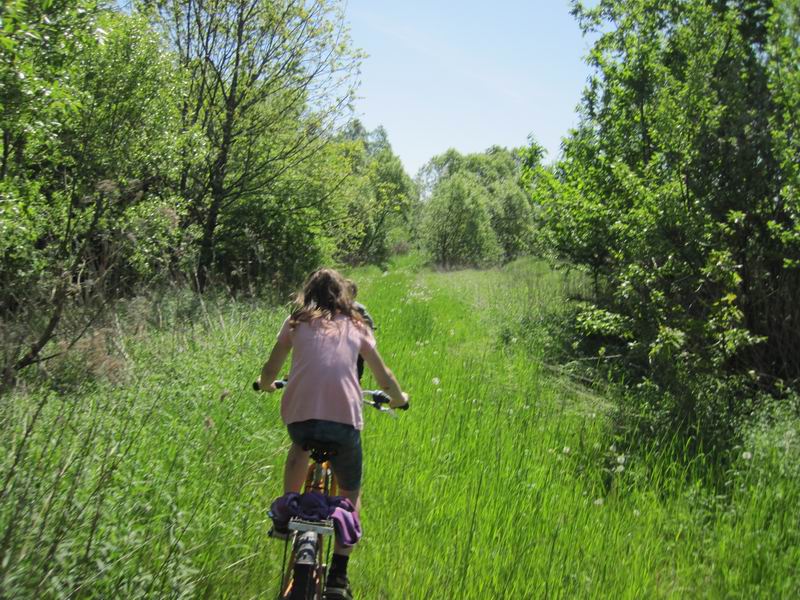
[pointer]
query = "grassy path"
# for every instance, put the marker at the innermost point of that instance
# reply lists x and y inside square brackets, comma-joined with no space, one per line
[491,495]
[501,482]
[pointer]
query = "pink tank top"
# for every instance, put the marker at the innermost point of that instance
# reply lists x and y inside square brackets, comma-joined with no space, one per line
[323,383]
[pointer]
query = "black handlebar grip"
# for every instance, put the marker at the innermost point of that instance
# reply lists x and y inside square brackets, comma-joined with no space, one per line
[381,397]
[280,383]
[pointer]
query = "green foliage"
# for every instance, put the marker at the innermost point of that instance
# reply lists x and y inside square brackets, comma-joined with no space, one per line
[178,142]
[39,40]
[277,238]
[511,218]
[268,82]
[379,198]
[85,202]
[457,229]
[497,173]
[572,216]
[678,193]
[784,83]
[113,142]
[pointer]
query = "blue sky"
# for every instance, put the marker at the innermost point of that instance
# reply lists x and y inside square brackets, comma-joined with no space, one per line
[467,74]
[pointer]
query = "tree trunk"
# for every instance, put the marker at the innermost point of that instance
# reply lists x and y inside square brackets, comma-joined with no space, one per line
[6,153]
[206,258]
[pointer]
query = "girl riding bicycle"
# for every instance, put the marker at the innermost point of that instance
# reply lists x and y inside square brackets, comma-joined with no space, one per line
[322,400]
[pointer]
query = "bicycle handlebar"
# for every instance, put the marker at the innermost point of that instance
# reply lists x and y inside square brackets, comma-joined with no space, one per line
[379,397]
[278,383]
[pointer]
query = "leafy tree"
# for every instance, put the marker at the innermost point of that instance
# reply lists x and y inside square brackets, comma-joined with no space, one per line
[280,235]
[511,218]
[380,195]
[675,192]
[391,193]
[81,167]
[438,169]
[497,171]
[38,39]
[456,229]
[784,83]
[267,81]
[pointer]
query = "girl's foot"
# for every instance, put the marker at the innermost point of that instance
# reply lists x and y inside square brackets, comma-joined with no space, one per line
[337,587]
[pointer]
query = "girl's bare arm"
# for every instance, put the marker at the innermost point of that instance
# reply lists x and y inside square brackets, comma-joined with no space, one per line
[273,366]
[385,378]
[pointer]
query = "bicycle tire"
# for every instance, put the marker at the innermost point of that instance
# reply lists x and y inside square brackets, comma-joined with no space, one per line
[305,569]
[305,580]
[304,585]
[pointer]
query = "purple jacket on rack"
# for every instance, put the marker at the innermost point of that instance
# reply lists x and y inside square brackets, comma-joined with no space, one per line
[313,506]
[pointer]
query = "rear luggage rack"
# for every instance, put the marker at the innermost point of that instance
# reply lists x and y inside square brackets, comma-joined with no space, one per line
[322,527]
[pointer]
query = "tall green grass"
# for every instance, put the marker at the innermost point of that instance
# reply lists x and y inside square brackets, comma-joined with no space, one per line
[502,481]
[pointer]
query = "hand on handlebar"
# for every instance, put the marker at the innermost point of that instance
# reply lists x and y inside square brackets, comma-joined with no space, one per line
[275,385]
[401,405]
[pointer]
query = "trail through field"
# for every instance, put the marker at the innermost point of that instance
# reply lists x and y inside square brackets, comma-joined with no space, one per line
[487,488]
[502,481]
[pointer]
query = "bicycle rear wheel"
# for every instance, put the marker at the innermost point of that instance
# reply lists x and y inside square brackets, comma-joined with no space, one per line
[303,585]
[305,565]
[308,570]
[305,570]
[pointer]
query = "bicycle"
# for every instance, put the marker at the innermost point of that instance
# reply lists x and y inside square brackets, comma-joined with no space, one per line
[303,574]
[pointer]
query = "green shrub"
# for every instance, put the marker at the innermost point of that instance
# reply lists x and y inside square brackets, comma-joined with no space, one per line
[678,193]
[457,230]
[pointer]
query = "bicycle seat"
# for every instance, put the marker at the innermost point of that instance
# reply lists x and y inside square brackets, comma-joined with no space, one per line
[320,451]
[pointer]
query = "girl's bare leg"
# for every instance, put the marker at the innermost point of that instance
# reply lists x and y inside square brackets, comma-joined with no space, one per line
[295,470]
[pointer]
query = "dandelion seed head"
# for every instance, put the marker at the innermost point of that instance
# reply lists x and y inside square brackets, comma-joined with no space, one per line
[747,455]
[621,459]
[598,502]
[566,450]
[436,381]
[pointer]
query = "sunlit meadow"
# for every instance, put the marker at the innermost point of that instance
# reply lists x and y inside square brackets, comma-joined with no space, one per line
[504,480]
